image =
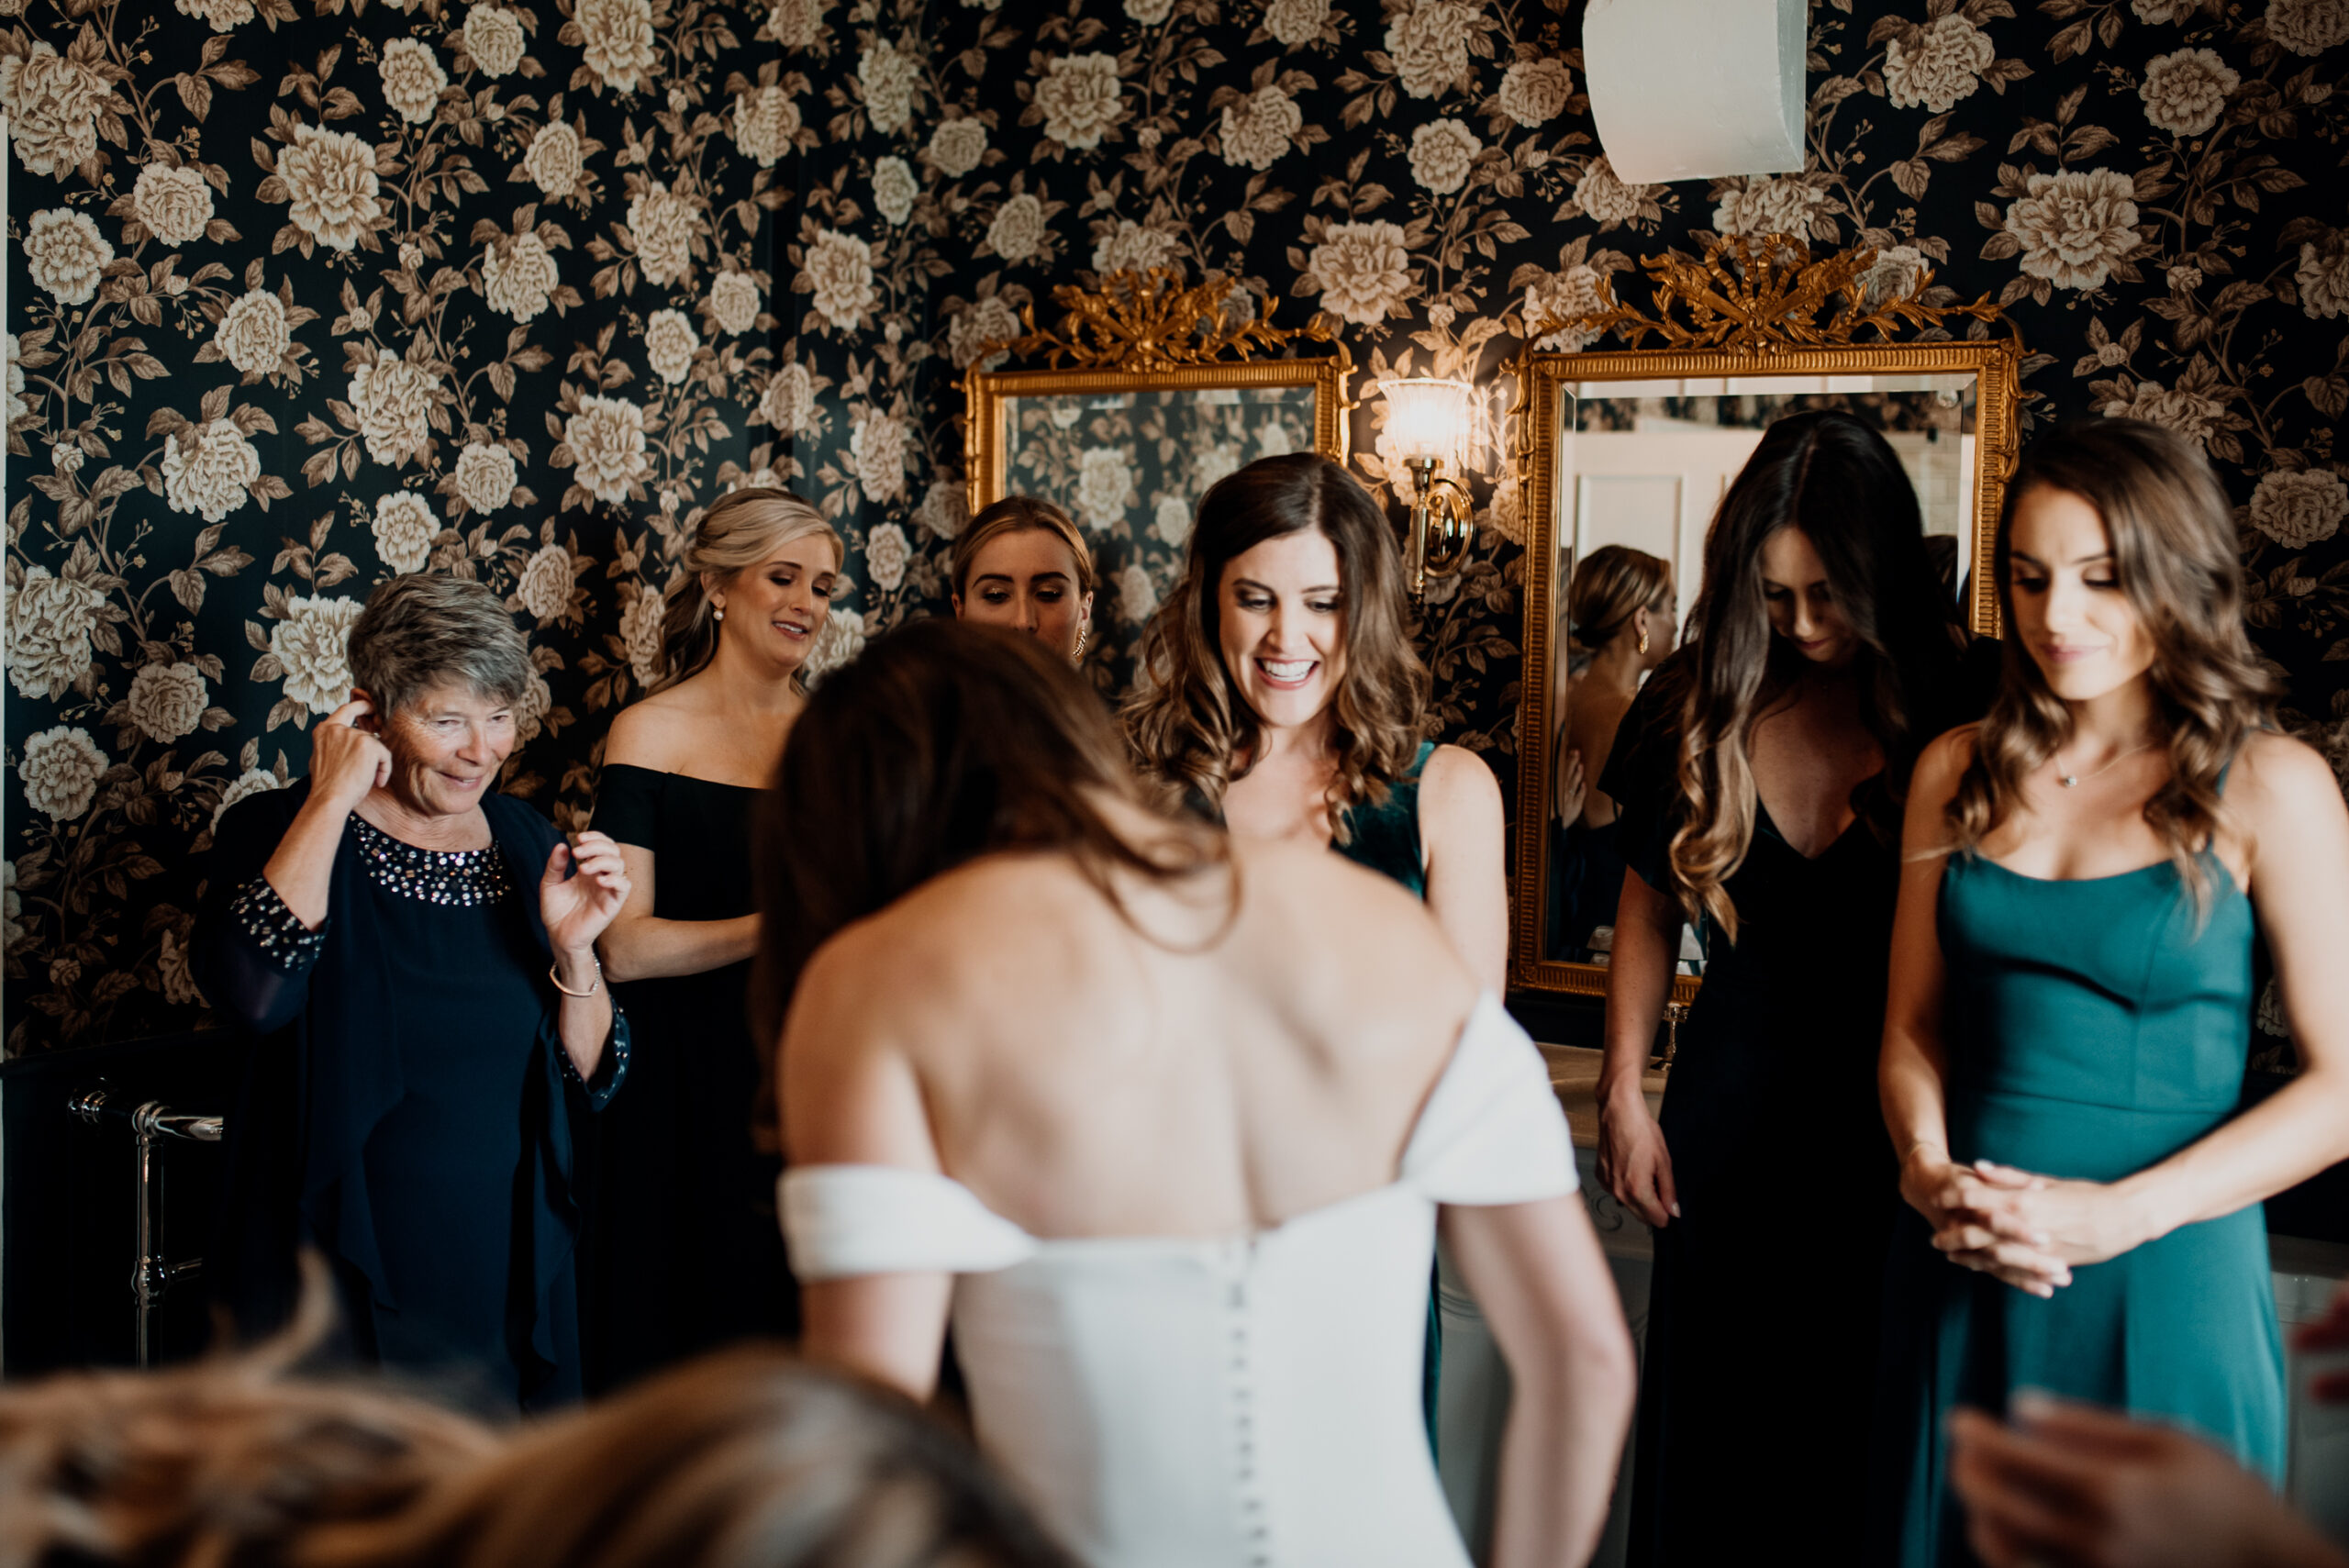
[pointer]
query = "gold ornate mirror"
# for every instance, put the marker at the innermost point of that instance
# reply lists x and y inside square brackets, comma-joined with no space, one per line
[1636,447]
[1150,392]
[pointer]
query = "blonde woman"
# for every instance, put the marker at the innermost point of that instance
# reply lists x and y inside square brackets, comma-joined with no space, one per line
[687,1255]
[1022,564]
[2071,995]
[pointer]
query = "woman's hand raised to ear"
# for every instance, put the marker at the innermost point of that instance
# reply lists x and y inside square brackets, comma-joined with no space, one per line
[576,907]
[346,761]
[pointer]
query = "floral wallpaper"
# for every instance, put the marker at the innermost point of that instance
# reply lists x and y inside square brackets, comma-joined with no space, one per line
[307,291]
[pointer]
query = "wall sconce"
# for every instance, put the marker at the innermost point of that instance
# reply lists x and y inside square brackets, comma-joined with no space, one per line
[1429,424]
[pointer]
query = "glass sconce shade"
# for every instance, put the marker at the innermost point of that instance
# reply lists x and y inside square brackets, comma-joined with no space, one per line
[1428,420]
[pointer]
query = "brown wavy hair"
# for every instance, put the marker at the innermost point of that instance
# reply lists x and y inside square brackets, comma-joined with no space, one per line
[1188,723]
[2173,553]
[1610,585]
[1839,481]
[741,529]
[1019,515]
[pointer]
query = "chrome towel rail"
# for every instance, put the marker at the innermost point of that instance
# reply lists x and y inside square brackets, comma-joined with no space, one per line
[151,1123]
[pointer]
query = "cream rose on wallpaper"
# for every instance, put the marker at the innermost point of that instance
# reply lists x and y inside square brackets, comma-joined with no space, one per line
[890,77]
[61,772]
[2322,277]
[1429,44]
[519,275]
[606,441]
[1136,595]
[1170,522]
[1937,65]
[1018,232]
[1769,205]
[1577,291]
[1135,247]
[65,254]
[838,640]
[224,15]
[312,644]
[495,39]
[328,179]
[173,204]
[544,587]
[664,224]
[253,334]
[765,120]
[2179,408]
[1257,129]
[167,701]
[2297,510]
[615,41]
[797,25]
[876,447]
[887,552]
[2073,226]
[1534,92]
[487,476]
[894,189]
[986,320]
[50,622]
[412,79]
[1443,153]
[393,399]
[1294,22]
[2308,26]
[945,509]
[404,529]
[734,301]
[640,634]
[252,782]
[1105,486]
[790,401]
[957,146]
[52,103]
[1605,199]
[670,344]
[1361,272]
[207,467]
[531,708]
[1081,98]
[2185,92]
[839,275]
[554,160]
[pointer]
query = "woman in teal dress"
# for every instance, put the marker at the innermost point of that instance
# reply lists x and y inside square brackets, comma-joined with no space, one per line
[2070,992]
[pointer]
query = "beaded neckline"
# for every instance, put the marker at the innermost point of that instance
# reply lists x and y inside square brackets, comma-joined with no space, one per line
[461,877]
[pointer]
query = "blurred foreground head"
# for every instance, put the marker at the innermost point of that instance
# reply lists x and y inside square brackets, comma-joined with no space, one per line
[747,1459]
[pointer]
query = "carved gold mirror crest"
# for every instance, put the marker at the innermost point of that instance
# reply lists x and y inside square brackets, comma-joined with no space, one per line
[1635,446]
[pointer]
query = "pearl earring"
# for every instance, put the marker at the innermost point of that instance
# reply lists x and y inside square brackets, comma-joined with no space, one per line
[719,614]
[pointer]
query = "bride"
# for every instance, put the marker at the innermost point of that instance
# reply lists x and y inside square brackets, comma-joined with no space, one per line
[1166,1125]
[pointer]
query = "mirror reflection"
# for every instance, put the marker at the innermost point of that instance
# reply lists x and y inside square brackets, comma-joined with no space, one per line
[1642,467]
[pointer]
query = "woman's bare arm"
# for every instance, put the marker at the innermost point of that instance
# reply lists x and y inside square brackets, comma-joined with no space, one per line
[1633,1160]
[639,946]
[1537,1270]
[1462,826]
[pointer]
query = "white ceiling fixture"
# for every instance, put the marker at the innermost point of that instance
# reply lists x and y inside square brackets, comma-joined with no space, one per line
[1696,89]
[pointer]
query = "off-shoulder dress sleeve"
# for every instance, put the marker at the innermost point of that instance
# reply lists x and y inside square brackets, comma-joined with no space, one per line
[1642,777]
[627,805]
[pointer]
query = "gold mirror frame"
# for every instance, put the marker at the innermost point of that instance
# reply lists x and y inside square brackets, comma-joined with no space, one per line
[1146,331]
[1754,308]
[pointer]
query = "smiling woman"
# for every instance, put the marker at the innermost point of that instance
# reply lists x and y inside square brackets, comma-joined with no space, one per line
[430,1165]
[683,1253]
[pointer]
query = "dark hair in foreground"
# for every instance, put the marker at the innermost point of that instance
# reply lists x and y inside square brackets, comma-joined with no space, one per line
[745,1459]
[1187,720]
[1839,481]
[943,741]
[2175,555]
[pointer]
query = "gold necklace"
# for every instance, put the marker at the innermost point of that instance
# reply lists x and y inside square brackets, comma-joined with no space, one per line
[2073,780]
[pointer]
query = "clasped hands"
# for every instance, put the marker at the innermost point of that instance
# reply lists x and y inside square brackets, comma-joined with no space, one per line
[2027,1229]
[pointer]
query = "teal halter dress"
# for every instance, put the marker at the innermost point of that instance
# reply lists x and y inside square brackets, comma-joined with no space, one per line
[2093,1027]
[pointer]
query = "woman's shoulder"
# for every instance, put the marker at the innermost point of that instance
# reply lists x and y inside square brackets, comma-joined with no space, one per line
[654,733]
[1457,785]
[2280,780]
[1943,762]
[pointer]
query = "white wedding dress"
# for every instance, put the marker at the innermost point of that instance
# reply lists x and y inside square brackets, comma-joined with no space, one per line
[1185,1403]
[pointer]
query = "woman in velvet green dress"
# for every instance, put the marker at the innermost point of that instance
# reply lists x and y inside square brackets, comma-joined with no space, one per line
[2071,989]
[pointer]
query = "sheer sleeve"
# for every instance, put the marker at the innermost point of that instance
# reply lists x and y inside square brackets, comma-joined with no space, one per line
[253,955]
[627,805]
[1642,777]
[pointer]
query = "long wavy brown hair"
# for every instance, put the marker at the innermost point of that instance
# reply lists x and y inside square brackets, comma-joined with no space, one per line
[1839,481]
[1191,730]
[2173,553]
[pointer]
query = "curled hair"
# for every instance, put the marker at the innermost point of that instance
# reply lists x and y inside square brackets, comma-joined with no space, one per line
[1839,481]
[1187,721]
[417,631]
[745,1459]
[1610,585]
[226,1463]
[945,740]
[1020,515]
[741,529]
[2174,554]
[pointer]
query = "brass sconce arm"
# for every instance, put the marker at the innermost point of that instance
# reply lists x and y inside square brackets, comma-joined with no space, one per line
[1443,523]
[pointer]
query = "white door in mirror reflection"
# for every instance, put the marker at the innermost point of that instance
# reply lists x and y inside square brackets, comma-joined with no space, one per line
[1655,490]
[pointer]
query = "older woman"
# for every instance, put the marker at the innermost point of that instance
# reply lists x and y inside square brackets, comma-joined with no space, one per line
[415,955]
[1022,564]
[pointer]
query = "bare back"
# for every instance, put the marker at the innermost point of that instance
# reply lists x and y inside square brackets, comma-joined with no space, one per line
[1004,1026]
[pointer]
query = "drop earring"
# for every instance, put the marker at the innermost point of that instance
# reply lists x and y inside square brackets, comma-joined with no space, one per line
[719,613]
[1643,642]
[1084,635]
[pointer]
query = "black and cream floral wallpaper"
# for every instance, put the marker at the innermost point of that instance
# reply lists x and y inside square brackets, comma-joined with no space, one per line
[304,293]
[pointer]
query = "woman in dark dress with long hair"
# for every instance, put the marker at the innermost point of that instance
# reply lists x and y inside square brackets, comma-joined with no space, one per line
[1759,777]
[687,1255]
